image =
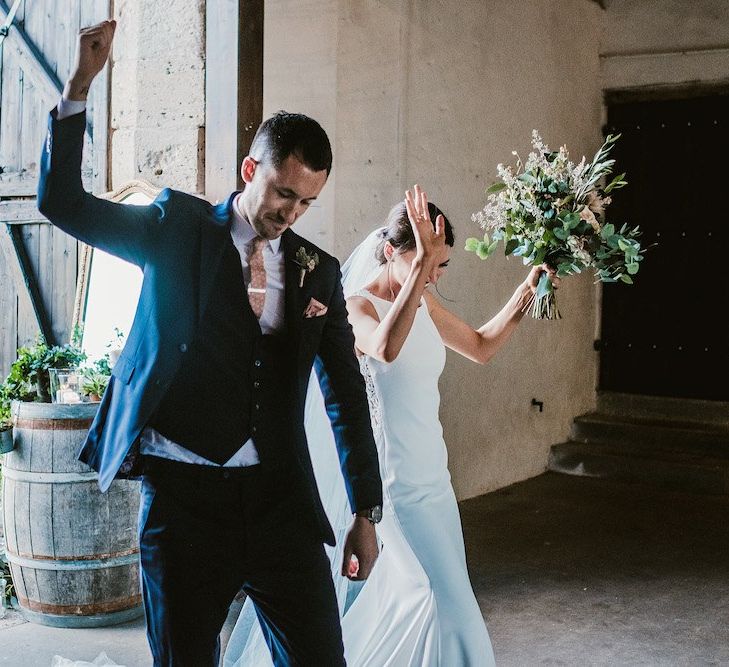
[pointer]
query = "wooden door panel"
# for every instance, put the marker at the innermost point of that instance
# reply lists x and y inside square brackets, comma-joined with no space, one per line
[37,55]
[664,336]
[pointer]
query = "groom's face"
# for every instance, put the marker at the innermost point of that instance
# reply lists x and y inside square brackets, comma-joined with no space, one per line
[275,197]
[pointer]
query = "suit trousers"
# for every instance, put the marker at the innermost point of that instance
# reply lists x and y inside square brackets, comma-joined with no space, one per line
[207,532]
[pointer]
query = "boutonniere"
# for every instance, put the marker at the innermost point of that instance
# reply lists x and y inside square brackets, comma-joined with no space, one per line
[306,263]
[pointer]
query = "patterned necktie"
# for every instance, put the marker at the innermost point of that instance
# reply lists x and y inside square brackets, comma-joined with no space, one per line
[257,285]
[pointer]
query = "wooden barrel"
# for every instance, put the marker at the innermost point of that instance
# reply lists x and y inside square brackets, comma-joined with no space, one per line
[73,551]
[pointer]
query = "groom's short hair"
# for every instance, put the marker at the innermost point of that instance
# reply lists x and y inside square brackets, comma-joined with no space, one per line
[285,134]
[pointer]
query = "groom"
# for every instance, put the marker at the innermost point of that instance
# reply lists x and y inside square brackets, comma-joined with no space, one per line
[206,402]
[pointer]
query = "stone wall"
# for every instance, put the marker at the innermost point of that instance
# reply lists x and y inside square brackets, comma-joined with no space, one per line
[438,93]
[158,93]
[665,44]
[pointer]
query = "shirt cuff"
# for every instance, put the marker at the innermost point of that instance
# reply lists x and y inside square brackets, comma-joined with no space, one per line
[68,108]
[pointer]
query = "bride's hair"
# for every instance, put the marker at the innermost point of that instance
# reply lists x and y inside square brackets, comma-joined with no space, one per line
[399,233]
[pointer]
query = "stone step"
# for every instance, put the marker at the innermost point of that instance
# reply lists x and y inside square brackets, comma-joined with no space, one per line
[673,470]
[640,434]
[663,408]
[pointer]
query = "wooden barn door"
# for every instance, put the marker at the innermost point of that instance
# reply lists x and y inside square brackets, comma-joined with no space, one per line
[37,55]
[665,335]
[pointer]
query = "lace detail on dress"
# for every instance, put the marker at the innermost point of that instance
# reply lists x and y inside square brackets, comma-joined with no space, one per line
[372,398]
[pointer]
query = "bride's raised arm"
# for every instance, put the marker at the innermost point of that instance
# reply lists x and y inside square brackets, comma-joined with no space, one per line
[401,283]
[481,344]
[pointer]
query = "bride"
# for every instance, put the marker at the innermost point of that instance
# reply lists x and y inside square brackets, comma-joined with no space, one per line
[417,608]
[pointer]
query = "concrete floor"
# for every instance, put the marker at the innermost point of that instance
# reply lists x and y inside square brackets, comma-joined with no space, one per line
[580,571]
[568,571]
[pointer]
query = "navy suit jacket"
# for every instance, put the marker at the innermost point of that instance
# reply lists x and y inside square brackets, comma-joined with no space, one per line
[177,241]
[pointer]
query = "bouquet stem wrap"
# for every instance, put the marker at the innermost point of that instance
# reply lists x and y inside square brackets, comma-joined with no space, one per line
[544,303]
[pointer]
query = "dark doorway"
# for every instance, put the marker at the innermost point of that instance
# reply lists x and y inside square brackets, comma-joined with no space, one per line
[665,335]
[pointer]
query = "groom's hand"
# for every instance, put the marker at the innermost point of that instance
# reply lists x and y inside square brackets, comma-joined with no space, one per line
[92,51]
[361,542]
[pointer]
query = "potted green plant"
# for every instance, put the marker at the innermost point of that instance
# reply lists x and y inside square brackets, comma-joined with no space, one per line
[6,423]
[29,378]
[7,590]
[95,379]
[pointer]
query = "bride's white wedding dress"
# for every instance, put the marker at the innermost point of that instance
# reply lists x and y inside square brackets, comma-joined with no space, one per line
[417,609]
[420,590]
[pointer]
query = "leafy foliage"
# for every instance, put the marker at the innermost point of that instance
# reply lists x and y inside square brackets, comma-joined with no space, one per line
[28,379]
[96,378]
[7,592]
[549,210]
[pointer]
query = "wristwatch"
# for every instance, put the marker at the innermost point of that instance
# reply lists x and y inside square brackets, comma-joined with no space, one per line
[373,514]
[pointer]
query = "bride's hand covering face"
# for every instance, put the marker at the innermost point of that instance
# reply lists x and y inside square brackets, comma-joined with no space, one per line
[430,239]
[429,246]
[412,253]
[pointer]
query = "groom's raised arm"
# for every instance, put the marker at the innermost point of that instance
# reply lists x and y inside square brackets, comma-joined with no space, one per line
[123,230]
[346,401]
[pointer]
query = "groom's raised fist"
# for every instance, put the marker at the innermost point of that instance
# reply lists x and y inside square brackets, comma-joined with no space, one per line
[92,50]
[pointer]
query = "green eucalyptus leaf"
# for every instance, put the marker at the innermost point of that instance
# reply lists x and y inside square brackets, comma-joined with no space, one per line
[632,268]
[561,233]
[527,178]
[572,219]
[608,231]
[626,278]
[472,244]
[482,250]
[544,286]
[496,187]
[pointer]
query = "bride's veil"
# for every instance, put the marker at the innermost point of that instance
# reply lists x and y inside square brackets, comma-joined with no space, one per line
[362,266]
[247,645]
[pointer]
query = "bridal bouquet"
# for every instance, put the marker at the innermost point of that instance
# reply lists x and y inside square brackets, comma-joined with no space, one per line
[550,210]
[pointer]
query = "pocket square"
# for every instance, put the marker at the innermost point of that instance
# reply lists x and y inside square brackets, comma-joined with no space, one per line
[315,309]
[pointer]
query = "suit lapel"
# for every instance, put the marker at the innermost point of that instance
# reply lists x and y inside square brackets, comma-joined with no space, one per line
[212,242]
[294,307]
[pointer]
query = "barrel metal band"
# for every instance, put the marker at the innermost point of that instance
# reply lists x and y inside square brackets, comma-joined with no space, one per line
[88,609]
[97,564]
[106,556]
[34,424]
[49,477]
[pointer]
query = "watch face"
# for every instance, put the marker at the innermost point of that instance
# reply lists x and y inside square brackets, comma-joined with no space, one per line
[376,513]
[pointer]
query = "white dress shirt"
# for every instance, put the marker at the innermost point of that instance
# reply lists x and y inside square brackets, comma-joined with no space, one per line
[271,320]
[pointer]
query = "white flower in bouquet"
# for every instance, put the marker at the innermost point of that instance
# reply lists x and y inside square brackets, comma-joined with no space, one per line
[550,210]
